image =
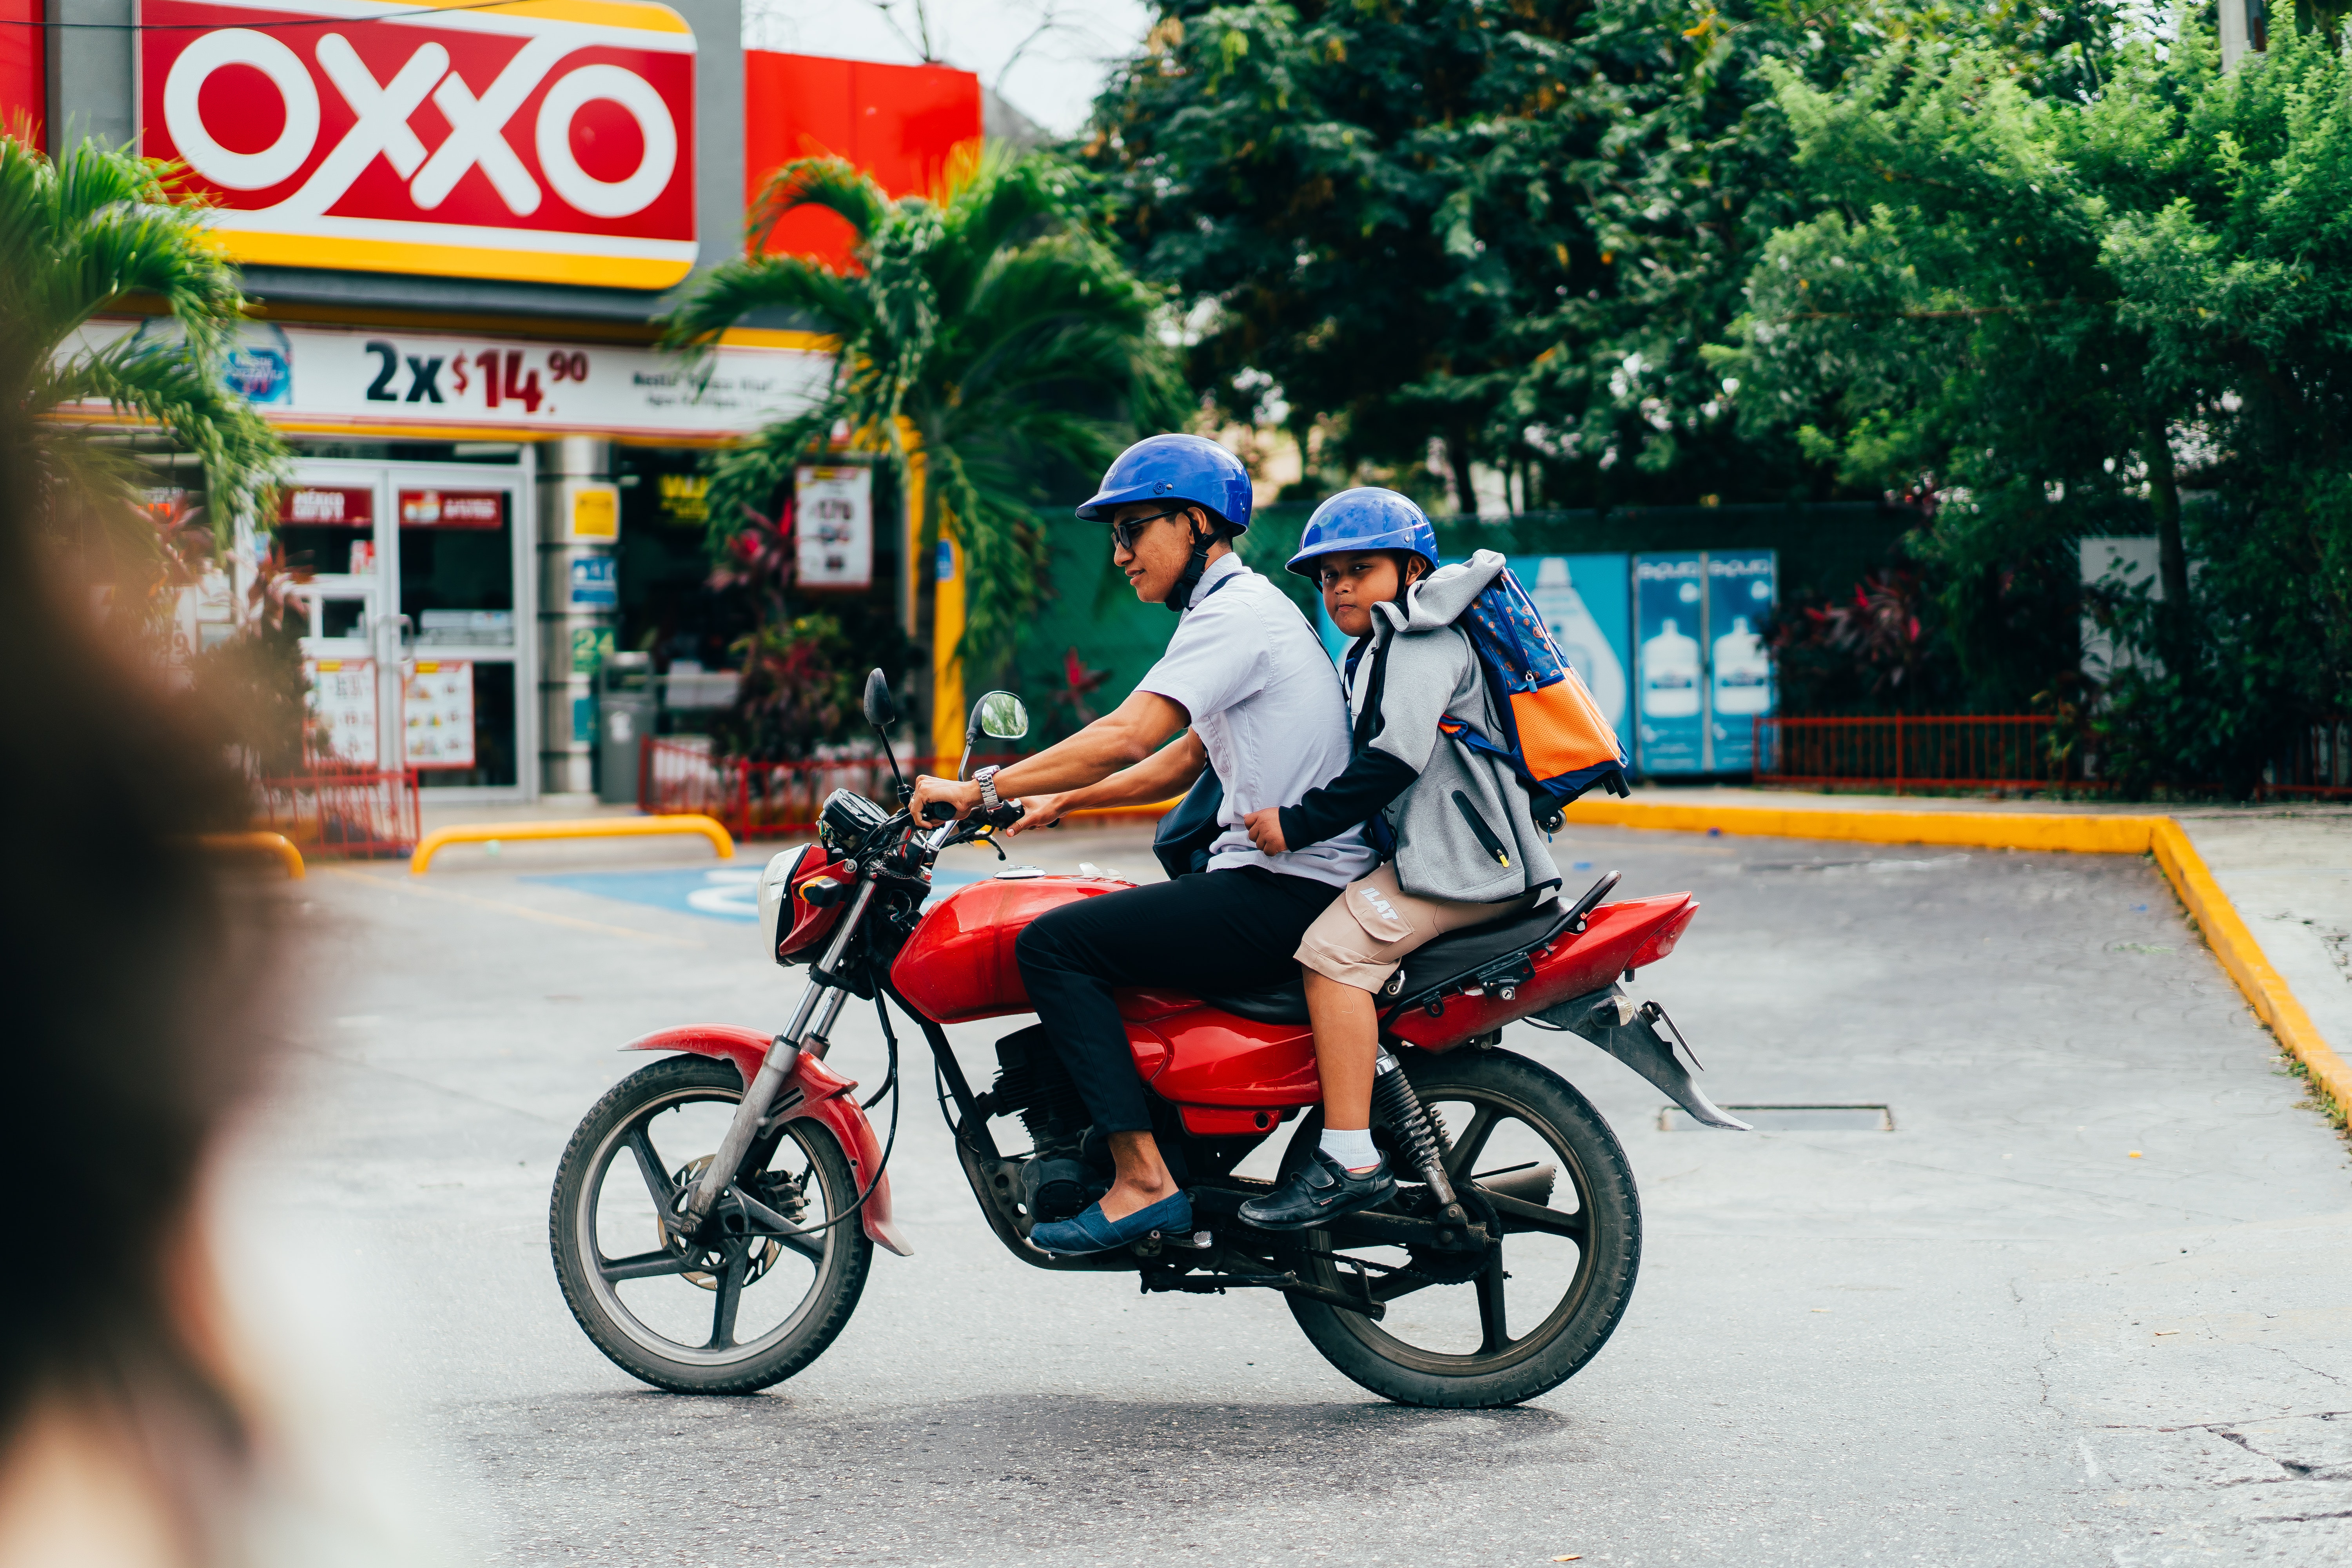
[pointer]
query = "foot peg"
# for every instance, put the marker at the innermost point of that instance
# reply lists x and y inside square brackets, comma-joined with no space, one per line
[1609,1020]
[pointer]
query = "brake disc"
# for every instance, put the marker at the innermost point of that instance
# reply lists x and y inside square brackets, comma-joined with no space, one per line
[764,1250]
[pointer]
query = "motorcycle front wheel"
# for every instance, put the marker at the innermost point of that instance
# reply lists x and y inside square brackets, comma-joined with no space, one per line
[747,1305]
[1529,1156]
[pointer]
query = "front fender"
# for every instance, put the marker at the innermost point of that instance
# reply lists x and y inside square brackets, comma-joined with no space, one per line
[825,1098]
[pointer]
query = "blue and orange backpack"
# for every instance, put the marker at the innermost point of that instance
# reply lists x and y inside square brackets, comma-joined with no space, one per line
[1557,743]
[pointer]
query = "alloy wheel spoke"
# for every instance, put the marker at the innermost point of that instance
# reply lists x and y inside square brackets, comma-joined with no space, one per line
[1494,1330]
[642,1266]
[650,1166]
[731,1295]
[1472,1142]
[1519,1216]
[1389,1287]
[809,1247]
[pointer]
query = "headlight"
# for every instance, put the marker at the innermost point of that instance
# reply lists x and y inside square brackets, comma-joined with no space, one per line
[846,820]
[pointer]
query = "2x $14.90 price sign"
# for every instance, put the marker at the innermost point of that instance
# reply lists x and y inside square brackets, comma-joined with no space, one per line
[501,378]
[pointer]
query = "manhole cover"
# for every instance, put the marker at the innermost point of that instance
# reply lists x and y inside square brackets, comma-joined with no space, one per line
[1788,1118]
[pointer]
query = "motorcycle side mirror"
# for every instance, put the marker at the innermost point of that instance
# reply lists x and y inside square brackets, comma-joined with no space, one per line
[998,714]
[880,712]
[1002,716]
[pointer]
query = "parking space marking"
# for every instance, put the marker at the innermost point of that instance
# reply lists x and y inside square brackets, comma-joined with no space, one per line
[722,894]
[524,911]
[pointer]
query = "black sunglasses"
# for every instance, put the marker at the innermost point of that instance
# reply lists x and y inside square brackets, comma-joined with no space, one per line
[1124,535]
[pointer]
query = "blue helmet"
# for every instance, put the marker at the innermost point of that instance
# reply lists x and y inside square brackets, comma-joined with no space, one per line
[1365,518]
[1175,467]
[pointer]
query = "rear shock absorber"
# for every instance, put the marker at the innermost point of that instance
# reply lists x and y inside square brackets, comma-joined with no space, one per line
[1423,1140]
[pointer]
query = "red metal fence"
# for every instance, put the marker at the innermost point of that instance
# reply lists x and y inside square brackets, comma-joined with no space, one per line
[760,800]
[363,815]
[1970,750]
[2319,763]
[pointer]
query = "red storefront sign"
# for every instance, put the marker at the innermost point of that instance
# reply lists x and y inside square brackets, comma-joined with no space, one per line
[543,140]
[327,506]
[452,509]
[898,123]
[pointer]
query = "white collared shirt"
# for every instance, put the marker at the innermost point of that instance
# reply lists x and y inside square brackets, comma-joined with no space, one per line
[1269,710]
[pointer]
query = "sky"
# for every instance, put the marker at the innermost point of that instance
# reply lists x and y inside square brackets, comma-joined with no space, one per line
[1045,58]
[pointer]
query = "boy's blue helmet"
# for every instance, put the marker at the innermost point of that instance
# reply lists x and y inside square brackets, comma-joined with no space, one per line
[1365,518]
[1172,469]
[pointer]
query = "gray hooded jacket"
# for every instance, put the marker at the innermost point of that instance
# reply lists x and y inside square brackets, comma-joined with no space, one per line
[1465,828]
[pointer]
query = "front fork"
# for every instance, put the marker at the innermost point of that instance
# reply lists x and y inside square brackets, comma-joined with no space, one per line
[811,1030]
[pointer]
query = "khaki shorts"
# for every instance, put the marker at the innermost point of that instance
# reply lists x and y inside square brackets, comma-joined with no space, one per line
[1368,930]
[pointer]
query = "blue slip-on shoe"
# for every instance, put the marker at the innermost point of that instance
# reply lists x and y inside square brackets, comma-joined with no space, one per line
[1092,1233]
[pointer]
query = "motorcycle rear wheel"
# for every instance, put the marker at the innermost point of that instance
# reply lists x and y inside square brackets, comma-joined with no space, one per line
[615,1180]
[1446,1339]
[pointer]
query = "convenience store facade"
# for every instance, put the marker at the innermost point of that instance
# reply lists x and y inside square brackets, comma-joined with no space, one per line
[459,223]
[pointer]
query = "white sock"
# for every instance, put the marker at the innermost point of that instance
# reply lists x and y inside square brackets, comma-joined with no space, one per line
[1353,1149]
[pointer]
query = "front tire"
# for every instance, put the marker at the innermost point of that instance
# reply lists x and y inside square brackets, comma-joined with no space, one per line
[733,1315]
[1446,1341]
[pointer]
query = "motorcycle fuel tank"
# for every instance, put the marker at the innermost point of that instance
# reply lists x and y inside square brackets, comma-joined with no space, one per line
[959,964]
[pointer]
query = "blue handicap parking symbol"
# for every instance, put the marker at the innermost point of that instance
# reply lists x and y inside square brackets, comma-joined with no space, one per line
[721,894]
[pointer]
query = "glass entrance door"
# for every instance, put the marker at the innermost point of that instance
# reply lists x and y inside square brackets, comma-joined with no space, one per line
[327,525]
[432,597]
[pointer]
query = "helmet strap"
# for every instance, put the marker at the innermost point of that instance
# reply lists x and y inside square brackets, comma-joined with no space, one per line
[1180,597]
[1405,579]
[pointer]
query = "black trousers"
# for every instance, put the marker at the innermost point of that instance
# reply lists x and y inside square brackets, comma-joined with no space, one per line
[1212,931]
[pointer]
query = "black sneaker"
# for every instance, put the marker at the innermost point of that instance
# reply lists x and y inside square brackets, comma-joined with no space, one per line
[1322,1191]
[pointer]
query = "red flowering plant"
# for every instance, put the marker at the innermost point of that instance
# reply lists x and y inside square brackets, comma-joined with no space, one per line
[1873,649]
[802,672]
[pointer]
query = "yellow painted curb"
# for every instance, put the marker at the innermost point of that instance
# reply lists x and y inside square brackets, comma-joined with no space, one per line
[2046,830]
[2242,956]
[708,827]
[2265,989]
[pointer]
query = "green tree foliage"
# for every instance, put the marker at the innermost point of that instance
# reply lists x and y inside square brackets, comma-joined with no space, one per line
[1510,224]
[989,329]
[2051,304]
[90,231]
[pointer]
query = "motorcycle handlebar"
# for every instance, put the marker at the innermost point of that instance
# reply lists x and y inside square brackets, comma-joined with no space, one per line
[952,833]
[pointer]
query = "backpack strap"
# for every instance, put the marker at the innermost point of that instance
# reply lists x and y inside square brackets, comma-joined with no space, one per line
[1368,722]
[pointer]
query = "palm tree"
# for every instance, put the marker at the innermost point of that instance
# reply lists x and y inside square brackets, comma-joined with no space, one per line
[987,321]
[92,228]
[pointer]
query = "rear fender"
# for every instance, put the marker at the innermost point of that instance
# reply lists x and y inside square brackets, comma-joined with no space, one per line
[825,1097]
[1629,934]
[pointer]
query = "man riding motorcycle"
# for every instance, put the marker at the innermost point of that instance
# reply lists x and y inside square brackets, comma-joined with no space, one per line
[1247,683]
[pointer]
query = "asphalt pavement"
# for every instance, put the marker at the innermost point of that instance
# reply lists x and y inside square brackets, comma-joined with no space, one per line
[2089,1301]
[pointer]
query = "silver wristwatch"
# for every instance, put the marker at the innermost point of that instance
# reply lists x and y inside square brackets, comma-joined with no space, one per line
[986,779]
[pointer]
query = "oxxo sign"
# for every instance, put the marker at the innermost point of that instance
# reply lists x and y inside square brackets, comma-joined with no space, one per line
[550,141]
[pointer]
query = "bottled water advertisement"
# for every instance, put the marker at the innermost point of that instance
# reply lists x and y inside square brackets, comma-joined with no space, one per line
[1740,593]
[1670,613]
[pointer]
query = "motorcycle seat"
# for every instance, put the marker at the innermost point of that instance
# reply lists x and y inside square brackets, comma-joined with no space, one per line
[1458,953]
[1454,953]
[1283,1004]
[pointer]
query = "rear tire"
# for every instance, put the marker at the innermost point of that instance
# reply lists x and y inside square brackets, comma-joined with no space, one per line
[1478,1093]
[637,1338]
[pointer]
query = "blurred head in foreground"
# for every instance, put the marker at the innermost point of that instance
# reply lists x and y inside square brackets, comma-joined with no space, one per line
[131,962]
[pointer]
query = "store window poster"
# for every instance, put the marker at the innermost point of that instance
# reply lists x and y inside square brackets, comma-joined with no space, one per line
[437,714]
[340,694]
[1582,600]
[1669,658]
[1740,590]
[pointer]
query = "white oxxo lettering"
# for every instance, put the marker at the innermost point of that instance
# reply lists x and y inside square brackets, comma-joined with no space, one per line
[476,139]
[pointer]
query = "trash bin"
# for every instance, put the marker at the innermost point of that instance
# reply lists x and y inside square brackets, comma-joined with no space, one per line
[625,703]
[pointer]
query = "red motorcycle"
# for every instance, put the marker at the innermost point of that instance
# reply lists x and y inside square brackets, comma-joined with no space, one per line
[1501,1267]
